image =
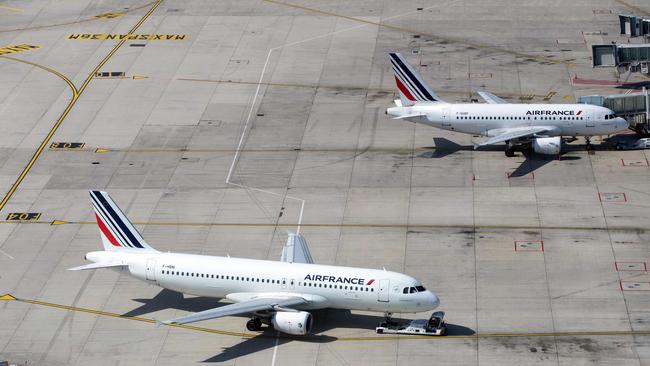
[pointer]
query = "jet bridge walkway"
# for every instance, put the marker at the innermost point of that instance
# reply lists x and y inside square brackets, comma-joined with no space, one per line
[634,107]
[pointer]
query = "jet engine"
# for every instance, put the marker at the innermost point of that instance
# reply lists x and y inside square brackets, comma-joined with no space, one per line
[547,145]
[295,323]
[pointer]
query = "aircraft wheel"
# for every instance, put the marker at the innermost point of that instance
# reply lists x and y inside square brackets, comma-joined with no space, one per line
[254,324]
[510,153]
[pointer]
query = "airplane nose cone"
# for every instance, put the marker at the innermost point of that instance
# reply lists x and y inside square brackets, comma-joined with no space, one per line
[434,301]
[624,123]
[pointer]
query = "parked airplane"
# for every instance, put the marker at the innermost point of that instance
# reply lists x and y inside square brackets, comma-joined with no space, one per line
[274,293]
[540,126]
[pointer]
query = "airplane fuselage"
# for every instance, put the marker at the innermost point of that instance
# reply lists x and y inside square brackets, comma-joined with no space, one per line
[491,119]
[240,279]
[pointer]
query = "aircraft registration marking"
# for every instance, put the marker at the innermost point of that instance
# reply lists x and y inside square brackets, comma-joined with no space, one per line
[67,145]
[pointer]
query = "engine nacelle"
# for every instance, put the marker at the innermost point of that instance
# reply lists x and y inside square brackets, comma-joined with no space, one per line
[295,323]
[547,145]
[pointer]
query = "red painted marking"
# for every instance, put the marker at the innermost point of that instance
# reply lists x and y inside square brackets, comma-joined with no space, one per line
[645,266]
[106,232]
[576,80]
[403,89]
[579,113]
[370,282]
[541,242]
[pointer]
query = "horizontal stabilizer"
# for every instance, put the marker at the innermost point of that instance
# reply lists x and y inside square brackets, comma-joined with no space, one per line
[410,115]
[98,265]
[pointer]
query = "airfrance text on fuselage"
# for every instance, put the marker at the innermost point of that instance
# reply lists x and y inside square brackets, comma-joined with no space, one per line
[353,281]
[554,113]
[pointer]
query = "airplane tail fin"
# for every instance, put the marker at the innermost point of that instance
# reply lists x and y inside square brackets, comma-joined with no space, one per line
[412,88]
[116,230]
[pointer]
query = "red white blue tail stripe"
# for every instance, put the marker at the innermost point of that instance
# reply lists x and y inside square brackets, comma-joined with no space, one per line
[116,230]
[411,86]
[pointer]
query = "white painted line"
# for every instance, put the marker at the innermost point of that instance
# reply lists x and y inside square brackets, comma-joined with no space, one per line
[275,349]
[248,119]
[5,253]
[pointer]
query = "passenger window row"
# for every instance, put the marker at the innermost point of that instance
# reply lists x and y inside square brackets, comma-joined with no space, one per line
[523,118]
[223,277]
[266,280]
[338,287]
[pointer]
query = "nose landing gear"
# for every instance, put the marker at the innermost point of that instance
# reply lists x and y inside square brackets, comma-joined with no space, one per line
[588,145]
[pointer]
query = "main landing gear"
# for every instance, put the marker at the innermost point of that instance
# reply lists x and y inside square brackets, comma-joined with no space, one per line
[254,324]
[510,150]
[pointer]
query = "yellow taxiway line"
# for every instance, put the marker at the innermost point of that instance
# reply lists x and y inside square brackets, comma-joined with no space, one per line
[76,93]
[75,21]
[429,35]
[17,10]
[340,225]
[232,151]
[351,87]
[9,297]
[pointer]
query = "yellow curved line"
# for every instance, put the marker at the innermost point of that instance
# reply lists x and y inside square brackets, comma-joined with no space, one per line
[72,22]
[325,337]
[76,94]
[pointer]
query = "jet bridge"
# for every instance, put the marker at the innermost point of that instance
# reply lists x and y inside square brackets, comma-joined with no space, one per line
[634,107]
[626,57]
[634,26]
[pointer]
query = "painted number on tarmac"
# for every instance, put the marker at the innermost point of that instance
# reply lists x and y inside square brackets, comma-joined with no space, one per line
[67,145]
[23,216]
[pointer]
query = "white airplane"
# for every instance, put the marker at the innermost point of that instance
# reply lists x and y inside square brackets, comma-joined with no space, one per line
[274,293]
[518,125]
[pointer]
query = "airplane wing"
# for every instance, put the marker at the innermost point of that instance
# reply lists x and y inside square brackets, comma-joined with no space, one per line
[250,306]
[296,250]
[491,98]
[98,265]
[506,134]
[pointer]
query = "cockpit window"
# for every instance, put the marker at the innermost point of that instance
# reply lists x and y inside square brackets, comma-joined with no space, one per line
[406,290]
[420,288]
[413,290]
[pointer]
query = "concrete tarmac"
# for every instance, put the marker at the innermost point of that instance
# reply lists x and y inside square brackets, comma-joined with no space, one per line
[218,126]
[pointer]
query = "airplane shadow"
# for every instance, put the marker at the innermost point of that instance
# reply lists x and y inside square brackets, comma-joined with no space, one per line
[444,147]
[325,320]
